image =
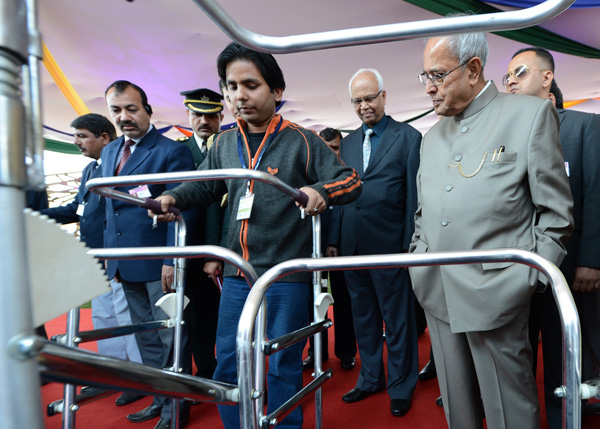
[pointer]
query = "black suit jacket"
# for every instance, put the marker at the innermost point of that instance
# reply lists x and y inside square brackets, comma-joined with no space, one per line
[580,138]
[381,220]
[204,224]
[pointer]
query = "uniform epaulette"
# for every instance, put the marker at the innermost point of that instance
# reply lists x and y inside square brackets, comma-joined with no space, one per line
[182,139]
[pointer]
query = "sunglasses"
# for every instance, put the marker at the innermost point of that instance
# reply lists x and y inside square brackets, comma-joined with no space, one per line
[519,72]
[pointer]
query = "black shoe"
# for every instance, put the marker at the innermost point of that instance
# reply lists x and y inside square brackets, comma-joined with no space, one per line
[428,372]
[150,412]
[309,362]
[90,391]
[356,395]
[439,402]
[128,398]
[399,407]
[348,362]
[166,423]
[592,408]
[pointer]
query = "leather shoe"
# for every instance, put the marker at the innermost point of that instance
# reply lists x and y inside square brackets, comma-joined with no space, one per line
[128,398]
[590,408]
[428,372]
[150,412]
[356,395]
[348,362]
[309,362]
[399,407]
[439,402]
[166,423]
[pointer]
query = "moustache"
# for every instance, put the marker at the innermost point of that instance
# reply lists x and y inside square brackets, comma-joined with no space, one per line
[127,123]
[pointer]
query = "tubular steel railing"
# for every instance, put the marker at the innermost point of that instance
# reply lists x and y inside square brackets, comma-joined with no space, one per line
[560,289]
[501,21]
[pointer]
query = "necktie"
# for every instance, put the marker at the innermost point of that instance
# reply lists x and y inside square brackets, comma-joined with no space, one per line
[124,156]
[367,148]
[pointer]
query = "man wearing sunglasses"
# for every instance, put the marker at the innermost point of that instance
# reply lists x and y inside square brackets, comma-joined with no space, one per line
[491,176]
[531,72]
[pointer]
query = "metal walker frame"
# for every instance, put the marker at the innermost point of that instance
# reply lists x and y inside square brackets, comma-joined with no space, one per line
[20,51]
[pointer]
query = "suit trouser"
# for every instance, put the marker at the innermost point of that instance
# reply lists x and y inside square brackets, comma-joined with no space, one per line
[110,310]
[155,346]
[544,318]
[588,307]
[492,365]
[378,296]
[201,316]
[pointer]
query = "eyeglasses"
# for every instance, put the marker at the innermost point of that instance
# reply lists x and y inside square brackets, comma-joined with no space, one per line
[436,78]
[519,72]
[368,99]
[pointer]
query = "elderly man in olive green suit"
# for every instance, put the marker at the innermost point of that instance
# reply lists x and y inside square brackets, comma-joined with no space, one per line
[491,176]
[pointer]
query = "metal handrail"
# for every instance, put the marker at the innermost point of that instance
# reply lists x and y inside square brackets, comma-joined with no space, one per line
[100,185]
[81,367]
[560,289]
[500,21]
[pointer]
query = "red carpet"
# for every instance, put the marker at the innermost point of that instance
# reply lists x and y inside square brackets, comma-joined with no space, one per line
[371,413]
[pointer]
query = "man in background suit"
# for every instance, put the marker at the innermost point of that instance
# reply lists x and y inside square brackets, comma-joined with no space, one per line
[386,153]
[142,150]
[204,226]
[531,72]
[92,132]
[491,176]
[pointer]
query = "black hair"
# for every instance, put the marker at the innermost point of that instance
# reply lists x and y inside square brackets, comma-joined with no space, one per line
[558,97]
[122,85]
[329,134]
[266,64]
[544,54]
[95,124]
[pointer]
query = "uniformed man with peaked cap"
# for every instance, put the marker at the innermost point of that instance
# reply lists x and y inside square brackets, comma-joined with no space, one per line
[205,113]
[204,226]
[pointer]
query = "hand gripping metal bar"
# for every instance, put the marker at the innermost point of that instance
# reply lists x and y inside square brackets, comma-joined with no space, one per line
[100,185]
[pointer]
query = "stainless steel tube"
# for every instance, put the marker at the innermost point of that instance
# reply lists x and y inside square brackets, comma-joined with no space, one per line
[19,375]
[318,337]
[381,33]
[568,312]
[179,252]
[100,185]
[67,365]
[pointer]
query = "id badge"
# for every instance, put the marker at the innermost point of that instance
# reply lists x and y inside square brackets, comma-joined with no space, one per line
[140,191]
[245,207]
[80,210]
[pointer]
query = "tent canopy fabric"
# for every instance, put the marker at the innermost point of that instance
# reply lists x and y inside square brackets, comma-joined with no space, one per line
[167,47]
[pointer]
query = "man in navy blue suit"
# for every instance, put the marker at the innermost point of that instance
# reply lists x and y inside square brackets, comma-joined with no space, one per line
[381,220]
[142,150]
[92,132]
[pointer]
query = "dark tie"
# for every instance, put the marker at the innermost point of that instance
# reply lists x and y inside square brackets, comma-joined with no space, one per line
[124,156]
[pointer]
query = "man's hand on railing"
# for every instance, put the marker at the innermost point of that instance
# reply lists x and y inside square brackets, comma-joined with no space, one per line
[167,277]
[165,202]
[315,205]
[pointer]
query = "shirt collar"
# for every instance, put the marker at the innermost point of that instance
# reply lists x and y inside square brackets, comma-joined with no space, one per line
[379,127]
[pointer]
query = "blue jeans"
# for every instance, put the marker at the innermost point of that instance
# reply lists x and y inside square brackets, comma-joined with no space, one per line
[286,312]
